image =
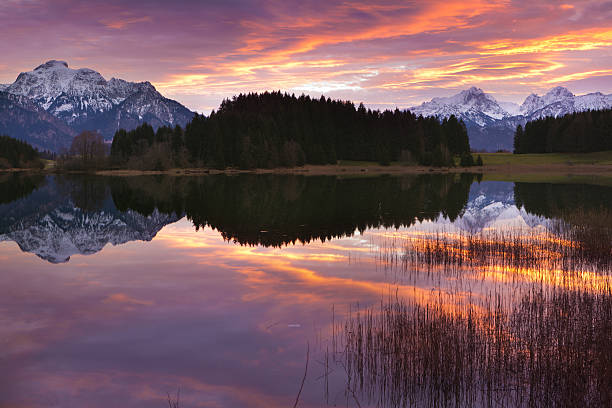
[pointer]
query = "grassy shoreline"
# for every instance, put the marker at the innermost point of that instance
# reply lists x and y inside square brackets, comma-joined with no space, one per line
[497,166]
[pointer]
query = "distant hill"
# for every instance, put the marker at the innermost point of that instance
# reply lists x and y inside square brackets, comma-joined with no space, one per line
[23,119]
[491,123]
[80,99]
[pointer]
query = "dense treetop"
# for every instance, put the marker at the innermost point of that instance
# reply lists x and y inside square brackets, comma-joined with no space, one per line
[273,129]
[588,131]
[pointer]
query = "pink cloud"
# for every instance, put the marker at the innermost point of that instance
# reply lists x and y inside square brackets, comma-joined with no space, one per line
[384,53]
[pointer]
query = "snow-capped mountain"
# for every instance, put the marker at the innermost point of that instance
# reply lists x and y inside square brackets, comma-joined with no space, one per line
[85,100]
[49,224]
[491,124]
[472,104]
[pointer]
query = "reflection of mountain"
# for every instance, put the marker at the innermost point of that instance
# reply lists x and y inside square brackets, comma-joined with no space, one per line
[62,216]
[491,203]
[82,214]
[48,223]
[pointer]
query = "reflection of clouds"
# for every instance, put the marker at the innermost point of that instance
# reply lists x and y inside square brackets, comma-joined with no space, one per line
[150,308]
[226,323]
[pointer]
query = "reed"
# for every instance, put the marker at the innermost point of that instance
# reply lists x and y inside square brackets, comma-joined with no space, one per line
[565,248]
[543,343]
[550,349]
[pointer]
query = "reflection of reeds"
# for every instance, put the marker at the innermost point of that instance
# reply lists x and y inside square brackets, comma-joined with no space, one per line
[567,249]
[550,349]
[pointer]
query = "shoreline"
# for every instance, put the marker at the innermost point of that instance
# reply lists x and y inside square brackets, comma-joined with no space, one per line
[355,169]
[375,169]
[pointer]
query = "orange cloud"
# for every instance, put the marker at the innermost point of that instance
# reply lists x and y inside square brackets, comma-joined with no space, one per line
[120,24]
[125,299]
[579,75]
[576,41]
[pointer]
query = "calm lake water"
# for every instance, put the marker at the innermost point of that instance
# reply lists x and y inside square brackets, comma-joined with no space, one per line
[118,291]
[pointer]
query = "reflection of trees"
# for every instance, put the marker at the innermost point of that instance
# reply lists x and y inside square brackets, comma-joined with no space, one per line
[14,186]
[276,210]
[270,210]
[584,207]
[87,192]
[562,200]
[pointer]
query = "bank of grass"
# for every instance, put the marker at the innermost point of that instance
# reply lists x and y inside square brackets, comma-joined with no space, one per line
[497,166]
[542,159]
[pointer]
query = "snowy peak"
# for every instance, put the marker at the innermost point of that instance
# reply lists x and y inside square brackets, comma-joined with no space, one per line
[70,93]
[84,100]
[491,124]
[557,94]
[53,64]
[532,103]
[472,94]
[472,104]
[560,101]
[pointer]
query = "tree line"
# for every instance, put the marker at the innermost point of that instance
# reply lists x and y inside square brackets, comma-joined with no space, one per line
[588,131]
[274,129]
[18,154]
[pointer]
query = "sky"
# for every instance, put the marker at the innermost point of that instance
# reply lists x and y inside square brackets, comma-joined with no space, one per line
[386,54]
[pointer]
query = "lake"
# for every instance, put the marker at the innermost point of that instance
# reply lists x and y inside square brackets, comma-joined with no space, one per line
[263,290]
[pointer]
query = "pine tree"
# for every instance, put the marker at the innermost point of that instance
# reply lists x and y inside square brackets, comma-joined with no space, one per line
[518,140]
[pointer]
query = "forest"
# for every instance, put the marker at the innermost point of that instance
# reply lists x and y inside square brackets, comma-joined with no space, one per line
[18,154]
[588,131]
[274,129]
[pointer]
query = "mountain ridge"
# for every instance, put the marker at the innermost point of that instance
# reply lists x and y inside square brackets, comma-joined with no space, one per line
[491,123]
[84,100]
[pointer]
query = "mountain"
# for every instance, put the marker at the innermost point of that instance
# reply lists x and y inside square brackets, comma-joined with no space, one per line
[83,100]
[21,116]
[50,224]
[491,124]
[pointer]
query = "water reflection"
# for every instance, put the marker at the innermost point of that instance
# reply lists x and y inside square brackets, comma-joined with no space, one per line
[226,312]
[70,215]
[64,216]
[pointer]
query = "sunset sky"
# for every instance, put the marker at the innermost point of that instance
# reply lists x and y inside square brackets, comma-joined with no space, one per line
[384,53]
